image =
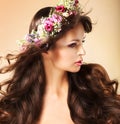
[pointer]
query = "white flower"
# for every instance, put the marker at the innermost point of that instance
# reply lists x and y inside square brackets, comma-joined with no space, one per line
[65,14]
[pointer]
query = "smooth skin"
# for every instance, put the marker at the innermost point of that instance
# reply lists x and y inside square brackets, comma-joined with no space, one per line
[66,56]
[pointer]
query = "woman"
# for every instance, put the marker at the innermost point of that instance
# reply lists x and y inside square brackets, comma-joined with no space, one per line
[45,86]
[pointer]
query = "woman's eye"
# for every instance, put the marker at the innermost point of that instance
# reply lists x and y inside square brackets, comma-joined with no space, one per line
[72,45]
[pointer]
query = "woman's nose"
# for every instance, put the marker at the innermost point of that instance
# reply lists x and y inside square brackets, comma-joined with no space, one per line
[81,50]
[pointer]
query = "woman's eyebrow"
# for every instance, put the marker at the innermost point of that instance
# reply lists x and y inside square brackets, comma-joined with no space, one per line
[77,40]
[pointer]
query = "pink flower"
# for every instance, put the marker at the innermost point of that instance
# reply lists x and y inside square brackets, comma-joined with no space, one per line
[56,18]
[76,2]
[36,40]
[48,25]
[23,48]
[49,20]
[38,43]
[60,8]
[73,13]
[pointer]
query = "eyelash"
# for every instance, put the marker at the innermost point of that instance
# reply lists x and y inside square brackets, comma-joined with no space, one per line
[72,45]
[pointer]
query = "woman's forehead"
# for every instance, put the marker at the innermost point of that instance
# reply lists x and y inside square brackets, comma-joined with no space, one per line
[75,34]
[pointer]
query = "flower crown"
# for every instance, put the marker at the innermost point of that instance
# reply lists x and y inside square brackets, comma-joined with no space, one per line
[51,25]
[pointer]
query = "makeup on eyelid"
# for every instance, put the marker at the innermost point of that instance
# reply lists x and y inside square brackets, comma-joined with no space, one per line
[75,43]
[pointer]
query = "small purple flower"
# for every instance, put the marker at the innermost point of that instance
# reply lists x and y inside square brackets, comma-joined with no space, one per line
[28,37]
[60,8]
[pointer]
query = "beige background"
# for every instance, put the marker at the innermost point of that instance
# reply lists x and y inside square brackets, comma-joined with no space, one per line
[102,45]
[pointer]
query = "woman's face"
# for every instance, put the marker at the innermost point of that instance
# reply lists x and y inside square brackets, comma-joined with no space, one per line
[68,52]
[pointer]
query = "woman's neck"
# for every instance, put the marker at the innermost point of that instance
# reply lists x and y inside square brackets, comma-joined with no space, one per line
[56,81]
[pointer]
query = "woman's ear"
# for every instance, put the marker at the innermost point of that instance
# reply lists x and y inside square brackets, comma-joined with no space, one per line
[44,47]
[46,54]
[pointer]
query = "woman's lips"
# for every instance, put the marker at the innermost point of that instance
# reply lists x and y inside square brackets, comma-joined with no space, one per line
[78,62]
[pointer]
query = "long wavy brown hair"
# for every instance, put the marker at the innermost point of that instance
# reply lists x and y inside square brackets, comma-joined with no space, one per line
[96,93]
[91,101]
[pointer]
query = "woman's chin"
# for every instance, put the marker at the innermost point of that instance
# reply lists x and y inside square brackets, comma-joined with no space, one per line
[75,69]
